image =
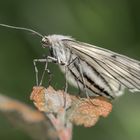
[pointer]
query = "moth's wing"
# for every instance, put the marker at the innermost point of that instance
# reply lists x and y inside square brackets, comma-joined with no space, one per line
[118,70]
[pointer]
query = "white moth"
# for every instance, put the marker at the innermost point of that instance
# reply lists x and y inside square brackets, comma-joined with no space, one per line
[98,71]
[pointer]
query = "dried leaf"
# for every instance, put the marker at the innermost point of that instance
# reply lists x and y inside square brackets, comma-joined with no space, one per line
[80,111]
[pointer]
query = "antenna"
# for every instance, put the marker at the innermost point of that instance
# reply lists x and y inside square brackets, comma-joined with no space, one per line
[22,28]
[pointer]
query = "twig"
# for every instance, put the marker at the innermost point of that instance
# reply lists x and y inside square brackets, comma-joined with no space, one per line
[33,122]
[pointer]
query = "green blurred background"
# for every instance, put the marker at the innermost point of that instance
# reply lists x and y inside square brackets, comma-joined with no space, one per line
[112,24]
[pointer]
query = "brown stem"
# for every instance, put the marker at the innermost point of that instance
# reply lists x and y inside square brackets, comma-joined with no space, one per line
[32,121]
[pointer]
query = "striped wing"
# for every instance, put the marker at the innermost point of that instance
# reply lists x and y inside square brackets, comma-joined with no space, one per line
[116,70]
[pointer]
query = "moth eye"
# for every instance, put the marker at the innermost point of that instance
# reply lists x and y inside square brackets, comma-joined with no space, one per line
[45,42]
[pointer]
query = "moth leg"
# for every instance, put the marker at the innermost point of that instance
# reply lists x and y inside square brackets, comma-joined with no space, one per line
[76,79]
[36,70]
[46,61]
[66,86]
[66,83]
[43,74]
[78,86]
[81,73]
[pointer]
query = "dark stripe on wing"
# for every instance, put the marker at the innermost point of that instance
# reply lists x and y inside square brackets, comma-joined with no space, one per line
[100,76]
[92,83]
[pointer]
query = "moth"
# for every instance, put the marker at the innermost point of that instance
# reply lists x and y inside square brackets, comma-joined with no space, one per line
[94,70]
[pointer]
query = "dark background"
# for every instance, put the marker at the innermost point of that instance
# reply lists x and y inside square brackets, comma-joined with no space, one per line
[112,24]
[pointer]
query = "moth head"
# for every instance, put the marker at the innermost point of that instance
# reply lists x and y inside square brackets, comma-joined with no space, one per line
[45,42]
